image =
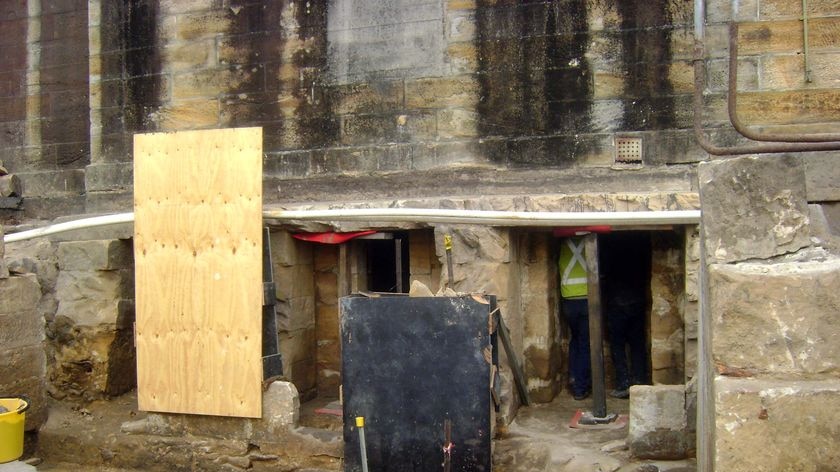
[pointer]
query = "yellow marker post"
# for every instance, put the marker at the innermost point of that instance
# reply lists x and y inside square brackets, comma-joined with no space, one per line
[360,424]
[447,245]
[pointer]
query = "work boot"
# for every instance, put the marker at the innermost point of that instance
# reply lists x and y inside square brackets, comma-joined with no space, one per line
[580,395]
[620,393]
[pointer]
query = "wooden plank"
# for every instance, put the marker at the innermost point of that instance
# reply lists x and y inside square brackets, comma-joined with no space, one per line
[198,262]
[515,367]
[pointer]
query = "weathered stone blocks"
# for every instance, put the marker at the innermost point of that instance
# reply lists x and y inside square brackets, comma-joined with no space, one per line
[658,422]
[768,425]
[91,337]
[22,358]
[107,254]
[754,207]
[776,319]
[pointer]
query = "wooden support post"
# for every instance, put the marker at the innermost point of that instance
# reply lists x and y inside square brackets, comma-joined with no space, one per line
[515,366]
[398,262]
[596,336]
[344,272]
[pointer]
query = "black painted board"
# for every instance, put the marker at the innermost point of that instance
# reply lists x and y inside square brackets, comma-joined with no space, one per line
[408,365]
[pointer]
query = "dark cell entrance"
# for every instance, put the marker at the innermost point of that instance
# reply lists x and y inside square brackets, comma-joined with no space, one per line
[387,263]
[411,366]
[624,265]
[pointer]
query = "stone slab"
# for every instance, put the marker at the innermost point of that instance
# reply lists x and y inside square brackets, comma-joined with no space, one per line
[767,425]
[658,422]
[19,294]
[107,254]
[17,466]
[778,319]
[753,207]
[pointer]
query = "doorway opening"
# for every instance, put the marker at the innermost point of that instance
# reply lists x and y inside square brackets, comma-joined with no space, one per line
[387,262]
[660,263]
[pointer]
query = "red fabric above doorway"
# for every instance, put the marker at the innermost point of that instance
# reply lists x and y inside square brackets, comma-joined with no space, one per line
[331,237]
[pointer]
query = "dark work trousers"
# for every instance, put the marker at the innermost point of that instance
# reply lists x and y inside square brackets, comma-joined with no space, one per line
[626,325]
[576,313]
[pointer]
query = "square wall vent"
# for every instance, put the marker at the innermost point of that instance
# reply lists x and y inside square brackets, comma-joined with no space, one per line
[628,150]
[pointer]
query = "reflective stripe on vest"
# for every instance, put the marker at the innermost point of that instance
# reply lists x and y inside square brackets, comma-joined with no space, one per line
[572,265]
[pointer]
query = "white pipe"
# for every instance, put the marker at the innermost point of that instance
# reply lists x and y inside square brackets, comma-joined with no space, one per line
[489,217]
[418,215]
[70,226]
[699,20]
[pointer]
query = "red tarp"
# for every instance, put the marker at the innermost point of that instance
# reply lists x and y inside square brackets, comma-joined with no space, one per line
[331,237]
[577,230]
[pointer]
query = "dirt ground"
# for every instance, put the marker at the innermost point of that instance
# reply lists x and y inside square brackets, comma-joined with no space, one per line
[538,440]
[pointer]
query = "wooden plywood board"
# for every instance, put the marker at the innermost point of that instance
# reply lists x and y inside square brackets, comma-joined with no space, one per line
[198,259]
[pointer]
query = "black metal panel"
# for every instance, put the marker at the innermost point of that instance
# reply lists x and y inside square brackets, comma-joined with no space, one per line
[408,365]
[272,361]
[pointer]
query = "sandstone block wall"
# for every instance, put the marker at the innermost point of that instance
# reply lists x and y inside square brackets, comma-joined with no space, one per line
[92,334]
[772,316]
[294,279]
[328,340]
[44,100]
[667,338]
[22,350]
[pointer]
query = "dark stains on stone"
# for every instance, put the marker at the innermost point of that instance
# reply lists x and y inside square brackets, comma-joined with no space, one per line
[64,113]
[568,80]
[317,124]
[646,46]
[255,32]
[132,87]
[534,80]
[143,86]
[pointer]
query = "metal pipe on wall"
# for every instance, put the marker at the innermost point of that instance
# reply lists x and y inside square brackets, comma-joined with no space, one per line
[700,83]
[763,148]
[732,105]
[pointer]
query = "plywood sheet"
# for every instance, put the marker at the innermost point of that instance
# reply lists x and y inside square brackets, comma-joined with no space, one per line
[198,259]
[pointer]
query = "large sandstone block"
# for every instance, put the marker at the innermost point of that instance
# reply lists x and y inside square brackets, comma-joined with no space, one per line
[90,362]
[95,285]
[24,328]
[753,207]
[778,319]
[108,254]
[19,294]
[658,422]
[769,426]
[93,312]
[22,371]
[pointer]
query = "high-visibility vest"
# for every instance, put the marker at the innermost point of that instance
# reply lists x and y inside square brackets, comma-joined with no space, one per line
[572,267]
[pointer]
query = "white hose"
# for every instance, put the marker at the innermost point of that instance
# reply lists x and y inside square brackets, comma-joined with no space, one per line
[417,215]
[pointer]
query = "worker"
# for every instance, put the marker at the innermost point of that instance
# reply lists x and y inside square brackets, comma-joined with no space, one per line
[575,309]
[625,270]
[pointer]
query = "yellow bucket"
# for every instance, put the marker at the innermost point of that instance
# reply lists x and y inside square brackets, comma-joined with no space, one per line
[11,427]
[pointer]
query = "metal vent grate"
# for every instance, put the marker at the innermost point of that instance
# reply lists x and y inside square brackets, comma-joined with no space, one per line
[628,150]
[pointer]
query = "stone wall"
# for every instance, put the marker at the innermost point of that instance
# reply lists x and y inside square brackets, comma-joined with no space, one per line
[667,338]
[772,316]
[22,353]
[537,287]
[294,279]
[44,96]
[424,265]
[327,338]
[92,334]
[447,84]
